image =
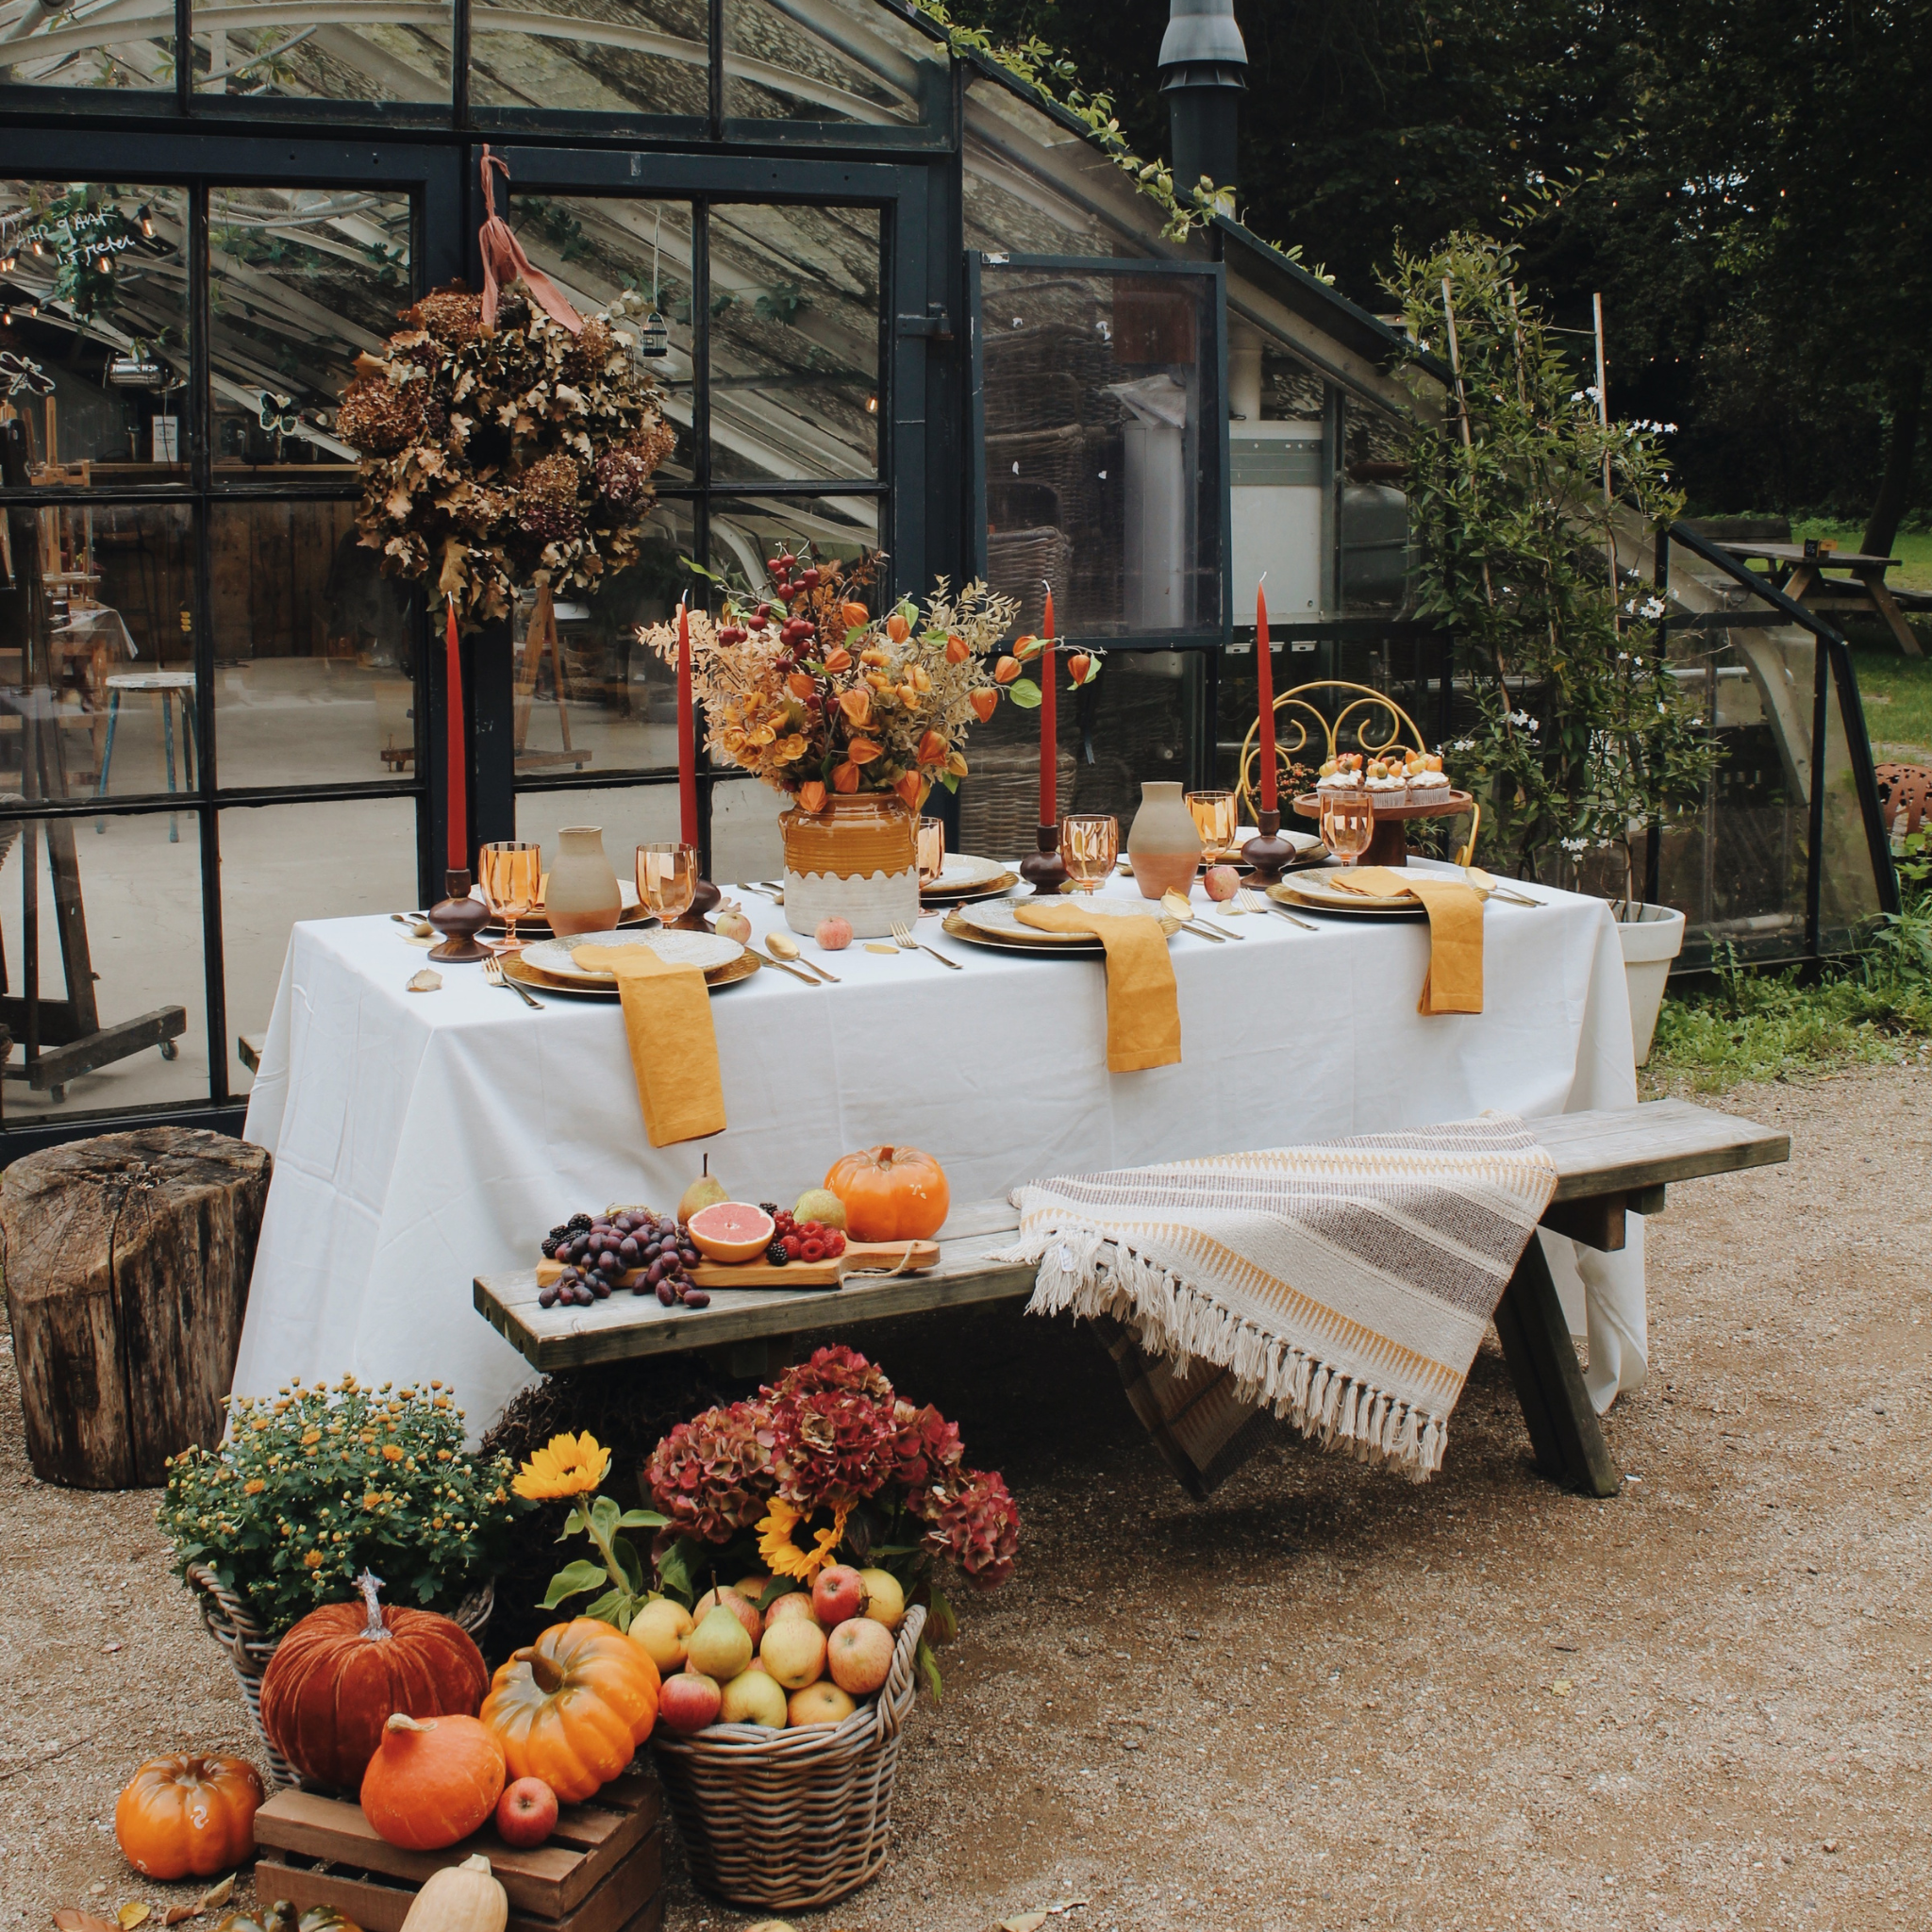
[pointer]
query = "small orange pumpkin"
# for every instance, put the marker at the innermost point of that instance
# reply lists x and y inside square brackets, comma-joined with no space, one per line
[188,1815]
[572,1708]
[890,1194]
[432,1780]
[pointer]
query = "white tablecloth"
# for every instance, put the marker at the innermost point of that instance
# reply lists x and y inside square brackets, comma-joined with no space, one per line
[423,1139]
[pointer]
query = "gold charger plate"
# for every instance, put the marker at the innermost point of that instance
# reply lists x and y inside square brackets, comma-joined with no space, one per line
[965,895]
[1310,897]
[1047,944]
[513,968]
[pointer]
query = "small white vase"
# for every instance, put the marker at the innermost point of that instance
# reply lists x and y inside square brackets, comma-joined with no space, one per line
[1652,936]
[1163,843]
[582,894]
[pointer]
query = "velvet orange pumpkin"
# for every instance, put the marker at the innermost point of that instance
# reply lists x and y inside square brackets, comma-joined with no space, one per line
[183,1816]
[337,1677]
[574,1706]
[432,1780]
[890,1194]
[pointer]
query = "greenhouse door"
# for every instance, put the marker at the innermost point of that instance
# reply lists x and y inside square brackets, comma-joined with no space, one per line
[790,303]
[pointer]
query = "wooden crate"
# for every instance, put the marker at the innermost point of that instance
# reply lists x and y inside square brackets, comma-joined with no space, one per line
[600,1870]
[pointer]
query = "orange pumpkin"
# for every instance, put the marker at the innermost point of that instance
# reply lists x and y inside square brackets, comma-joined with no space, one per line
[188,1815]
[432,1780]
[574,1706]
[890,1194]
[337,1677]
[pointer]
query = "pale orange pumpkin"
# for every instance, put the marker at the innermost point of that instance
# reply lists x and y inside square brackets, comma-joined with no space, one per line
[432,1780]
[572,1708]
[890,1194]
[183,1816]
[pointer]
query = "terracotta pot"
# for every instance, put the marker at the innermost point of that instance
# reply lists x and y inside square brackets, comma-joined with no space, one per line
[582,894]
[1165,844]
[858,860]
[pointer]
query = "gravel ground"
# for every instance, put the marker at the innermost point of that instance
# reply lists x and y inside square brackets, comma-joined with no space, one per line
[1326,1699]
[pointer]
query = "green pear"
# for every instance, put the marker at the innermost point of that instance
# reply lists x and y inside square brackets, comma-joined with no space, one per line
[720,1647]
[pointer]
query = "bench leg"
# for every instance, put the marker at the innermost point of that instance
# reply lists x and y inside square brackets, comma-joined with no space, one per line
[1563,1428]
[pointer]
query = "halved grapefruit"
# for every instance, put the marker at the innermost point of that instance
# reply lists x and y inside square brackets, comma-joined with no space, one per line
[731,1231]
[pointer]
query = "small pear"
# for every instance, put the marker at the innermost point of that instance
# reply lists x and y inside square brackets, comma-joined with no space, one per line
[720,1647]
[706,1191]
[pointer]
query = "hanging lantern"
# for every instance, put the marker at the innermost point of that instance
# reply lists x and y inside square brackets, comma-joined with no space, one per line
[653,336]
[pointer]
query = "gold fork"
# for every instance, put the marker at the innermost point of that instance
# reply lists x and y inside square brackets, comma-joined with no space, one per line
[493,972]
[902,938]
[1252,902]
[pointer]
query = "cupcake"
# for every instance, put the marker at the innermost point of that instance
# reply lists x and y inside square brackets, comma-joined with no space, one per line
[1428,784]
[1388,785]
[1343,774]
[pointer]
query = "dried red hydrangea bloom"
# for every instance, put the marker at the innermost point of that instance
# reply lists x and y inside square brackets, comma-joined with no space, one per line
[833,1369]
[927,1447]
[833,1446]
[713,1475]
[975,1522]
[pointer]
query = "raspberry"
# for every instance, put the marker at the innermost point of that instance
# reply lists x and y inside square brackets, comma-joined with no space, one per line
[792,1246]
[834,1242]
[812,1251]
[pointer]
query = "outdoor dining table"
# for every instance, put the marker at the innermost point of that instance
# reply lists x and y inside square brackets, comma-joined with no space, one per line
[422,1138]
[1863,594]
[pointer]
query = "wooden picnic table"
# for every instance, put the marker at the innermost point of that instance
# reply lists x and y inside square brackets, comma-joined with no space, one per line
[1863,594]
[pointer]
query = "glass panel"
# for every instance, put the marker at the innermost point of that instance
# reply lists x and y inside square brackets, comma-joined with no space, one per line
[745,840]
[629,816]
[314,649]
[288,53]
[100,382]
[1103,458]
[116,914]
[794,343]
[102,46]
[1281,479]
[746,530]
[301,281]
[1848,888]
[618,704]
[1033,186]
[828,60]
[96,655]
[594,248]
[587,57]
[285,862]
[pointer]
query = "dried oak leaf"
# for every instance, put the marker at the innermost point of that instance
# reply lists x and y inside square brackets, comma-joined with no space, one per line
[69,1920]
[135,1912]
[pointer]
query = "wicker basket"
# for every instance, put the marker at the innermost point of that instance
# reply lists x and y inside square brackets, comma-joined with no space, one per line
[249,1648]
[1021,563]
[999,800]
[791,1820]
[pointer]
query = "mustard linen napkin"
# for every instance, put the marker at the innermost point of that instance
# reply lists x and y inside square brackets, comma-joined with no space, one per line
[674,1048]
[1144,1013]
[1454,983]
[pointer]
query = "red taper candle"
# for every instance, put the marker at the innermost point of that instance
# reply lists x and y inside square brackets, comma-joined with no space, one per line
[1264,683]
[1049,725]
[687,745]
[456,761]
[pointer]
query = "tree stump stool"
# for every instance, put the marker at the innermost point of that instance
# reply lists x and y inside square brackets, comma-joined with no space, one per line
[126,1262]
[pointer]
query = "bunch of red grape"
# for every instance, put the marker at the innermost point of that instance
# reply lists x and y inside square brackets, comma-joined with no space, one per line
[598,1251]
[796,1241]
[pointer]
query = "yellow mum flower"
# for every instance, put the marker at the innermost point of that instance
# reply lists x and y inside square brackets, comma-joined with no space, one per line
[778,1546]
[253,1486]
[392,1452]
[567,1465]
[313,1560]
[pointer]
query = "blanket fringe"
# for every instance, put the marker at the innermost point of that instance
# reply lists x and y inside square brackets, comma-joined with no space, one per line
[1082,1273]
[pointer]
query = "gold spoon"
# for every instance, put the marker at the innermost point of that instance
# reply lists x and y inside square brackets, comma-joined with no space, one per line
[1484,881]
[786,948]
[1172,901]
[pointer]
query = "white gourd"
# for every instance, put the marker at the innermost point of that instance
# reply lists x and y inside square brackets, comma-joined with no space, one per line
[460,1898]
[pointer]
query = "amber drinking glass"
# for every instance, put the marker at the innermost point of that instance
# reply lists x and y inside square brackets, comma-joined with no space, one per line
[666,877]
[1215,818]
[932,850]
[1348,822]
[512,875]
[1089,846]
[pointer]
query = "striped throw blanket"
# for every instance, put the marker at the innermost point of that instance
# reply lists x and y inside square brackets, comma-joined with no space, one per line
[1344,1287]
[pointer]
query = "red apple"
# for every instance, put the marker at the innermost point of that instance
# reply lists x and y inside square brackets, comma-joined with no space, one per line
[689,1701]
[859,1656]
[526,1812]
[838,1595]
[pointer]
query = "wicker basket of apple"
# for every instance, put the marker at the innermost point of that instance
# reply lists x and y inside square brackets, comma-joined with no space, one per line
[797,1597]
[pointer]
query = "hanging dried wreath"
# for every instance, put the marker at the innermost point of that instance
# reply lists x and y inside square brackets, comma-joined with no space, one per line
[498,458]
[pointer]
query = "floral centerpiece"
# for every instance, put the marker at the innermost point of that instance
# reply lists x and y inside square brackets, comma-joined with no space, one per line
[854,718]
[498,456]
[317,1485]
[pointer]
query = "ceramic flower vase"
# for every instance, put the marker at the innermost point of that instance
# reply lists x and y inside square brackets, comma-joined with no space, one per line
[857,859]
[582,894]
[1163,843]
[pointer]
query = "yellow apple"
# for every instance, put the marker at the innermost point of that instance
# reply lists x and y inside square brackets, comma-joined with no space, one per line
[794,1652]
[662,1628]
[885,1602]
[796,1603]
[753,1698]
[819,1703]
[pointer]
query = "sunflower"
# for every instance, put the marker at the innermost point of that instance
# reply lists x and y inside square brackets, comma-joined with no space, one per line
[567,1465]
[778,1543]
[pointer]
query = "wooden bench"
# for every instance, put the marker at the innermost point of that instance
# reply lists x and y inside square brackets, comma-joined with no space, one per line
[1610,1163]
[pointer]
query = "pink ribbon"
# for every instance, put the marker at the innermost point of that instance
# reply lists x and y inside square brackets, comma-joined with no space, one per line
[504,260]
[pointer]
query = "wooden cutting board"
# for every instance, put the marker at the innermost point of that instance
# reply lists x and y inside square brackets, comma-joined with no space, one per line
[860,1257]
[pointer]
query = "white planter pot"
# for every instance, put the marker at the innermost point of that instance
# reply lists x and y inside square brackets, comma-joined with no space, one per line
[1652,936]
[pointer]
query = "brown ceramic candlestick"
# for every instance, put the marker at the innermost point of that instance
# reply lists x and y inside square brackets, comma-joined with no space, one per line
[705,897]
[1043,870]
[1269,852]
[459,919]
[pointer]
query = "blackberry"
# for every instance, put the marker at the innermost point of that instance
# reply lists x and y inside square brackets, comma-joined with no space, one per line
[561,1232]
[579,1224]
[770,1207]
[777,1256]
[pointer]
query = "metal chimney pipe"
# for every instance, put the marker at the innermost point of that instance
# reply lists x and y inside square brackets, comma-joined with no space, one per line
[1202,63]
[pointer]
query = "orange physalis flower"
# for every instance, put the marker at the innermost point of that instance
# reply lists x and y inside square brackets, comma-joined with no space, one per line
[812,795]
[845,777]
[1027,646]
[853,616]
[857,705]
[897,629]
[933,749]
[861,751]
[911,787]
[957,652]
[1006,671]
[956,763]
[801,685]
[984,702]
[838,659]
[873,655]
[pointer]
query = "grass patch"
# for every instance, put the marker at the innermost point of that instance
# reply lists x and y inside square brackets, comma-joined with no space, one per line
[1896,694]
